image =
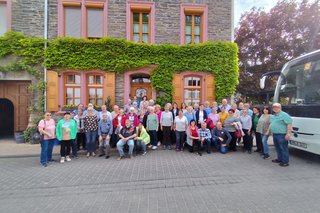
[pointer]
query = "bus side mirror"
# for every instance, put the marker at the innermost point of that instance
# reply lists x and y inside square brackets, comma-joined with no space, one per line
[263,82]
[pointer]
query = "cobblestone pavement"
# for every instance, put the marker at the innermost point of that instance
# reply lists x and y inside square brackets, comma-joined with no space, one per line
[162,181]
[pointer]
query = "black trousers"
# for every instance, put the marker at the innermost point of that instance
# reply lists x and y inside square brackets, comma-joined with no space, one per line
[81,140]
[259,142]
[166,133]
[247,140]
[233,142]
[65,148]
[196,144]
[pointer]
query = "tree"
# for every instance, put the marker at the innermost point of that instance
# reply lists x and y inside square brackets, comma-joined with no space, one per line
[267,40]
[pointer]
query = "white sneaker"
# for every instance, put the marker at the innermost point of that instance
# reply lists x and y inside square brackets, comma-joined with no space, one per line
[68,159]
[62,160]
[154,147]
[159,143]
[144,153]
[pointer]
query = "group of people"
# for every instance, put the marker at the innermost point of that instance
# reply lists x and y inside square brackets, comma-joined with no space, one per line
[142,124]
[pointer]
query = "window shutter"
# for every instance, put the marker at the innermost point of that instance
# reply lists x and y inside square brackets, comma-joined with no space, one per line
[209,81]
[95,22]
[52,91]
[178,87]
[73,22]
[110,86]
[3,18]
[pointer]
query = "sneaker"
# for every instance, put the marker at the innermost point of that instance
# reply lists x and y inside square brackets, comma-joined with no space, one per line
[107,156]
[150,146]
[93,154]
[144,153]
[199,153]
[44,165]
[68,159]
[159,143]
[283,164]
[266,157]
[275,161]
[119,158]
[62,160]
[154,147]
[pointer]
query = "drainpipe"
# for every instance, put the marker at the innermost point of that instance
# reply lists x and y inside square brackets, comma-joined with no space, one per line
[232,20]
[45,36]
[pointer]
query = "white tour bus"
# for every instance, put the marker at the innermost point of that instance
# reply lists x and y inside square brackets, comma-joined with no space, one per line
[298,91]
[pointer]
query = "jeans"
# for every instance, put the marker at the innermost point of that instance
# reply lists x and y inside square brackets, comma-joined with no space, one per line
[91,138]
[121,144]
[153,137]
[207,144]
[265,144]
[223,149]
[281,145]
[141,145]
[46,151]
[180,139]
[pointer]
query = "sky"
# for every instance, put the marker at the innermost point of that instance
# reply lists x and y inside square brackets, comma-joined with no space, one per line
[240,6]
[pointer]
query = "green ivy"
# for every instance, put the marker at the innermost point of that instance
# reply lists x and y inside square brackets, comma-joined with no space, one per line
[119,55]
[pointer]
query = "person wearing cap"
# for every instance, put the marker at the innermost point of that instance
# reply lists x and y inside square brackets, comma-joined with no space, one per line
[142,138]
[281,127]
[91,131]
[66,131]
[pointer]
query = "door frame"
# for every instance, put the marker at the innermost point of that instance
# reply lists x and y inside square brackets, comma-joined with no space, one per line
[128,77]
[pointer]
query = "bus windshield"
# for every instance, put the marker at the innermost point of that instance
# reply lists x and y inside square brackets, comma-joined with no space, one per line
[299,82]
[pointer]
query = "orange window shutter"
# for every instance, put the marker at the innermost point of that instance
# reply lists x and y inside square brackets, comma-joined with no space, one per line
[209,81]
[52,91]
[177,85]
[110,86]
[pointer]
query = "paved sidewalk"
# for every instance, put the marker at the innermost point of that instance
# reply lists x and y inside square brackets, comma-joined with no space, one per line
[9,148]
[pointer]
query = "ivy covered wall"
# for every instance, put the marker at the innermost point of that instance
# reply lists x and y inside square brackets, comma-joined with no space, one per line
[119,55]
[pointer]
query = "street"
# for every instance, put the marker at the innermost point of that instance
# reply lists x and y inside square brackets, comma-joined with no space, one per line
[162,181]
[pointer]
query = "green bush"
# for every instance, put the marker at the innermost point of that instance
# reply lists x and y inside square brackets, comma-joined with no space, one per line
[119,55]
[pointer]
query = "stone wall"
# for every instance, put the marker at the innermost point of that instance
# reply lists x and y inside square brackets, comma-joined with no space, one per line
[119,90]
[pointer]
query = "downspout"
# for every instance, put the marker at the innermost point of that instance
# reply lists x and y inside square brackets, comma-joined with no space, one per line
[232,20]
[45,36]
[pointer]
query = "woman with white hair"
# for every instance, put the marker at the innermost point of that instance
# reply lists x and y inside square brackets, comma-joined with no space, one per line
[134,121]
[152,127]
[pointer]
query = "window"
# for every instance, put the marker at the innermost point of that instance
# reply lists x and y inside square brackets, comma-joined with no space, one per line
[72,89]
[193,33]
[193,20]
[95,89]
[82,20]
[140,22]
[94,21]
[72,21]
[192,90]
[141,29]
[5,16]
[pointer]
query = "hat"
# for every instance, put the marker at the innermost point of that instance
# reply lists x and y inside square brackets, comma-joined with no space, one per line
[67,113]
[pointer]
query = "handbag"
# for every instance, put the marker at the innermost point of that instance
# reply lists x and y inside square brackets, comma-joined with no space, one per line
[238,133]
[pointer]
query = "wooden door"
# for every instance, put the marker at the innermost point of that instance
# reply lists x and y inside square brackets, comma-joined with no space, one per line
[140,90]
[18,93]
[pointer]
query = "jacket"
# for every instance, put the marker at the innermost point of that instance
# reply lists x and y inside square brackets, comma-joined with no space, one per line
[73,129]
[144,136]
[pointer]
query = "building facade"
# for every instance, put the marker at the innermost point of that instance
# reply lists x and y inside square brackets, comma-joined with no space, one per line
[176,22]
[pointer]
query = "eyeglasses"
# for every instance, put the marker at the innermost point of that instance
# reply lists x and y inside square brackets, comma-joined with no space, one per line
[48,114]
